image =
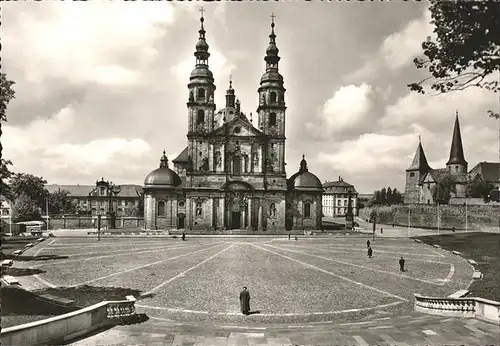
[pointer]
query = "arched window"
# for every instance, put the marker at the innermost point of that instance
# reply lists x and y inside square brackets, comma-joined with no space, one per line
[273,97]
[236,165]
[272,119]
[307,209]
[200,117]
[101,211]
[103,190]
[94,211]
[161,208]
[245,164]
[201,93]
[119,211]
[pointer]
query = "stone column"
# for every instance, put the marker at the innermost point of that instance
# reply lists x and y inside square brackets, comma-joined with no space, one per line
[223,157]
[189,214]
[260,161]
[211,166]
[260,215]
[250,215]
[222,212]
[242,219]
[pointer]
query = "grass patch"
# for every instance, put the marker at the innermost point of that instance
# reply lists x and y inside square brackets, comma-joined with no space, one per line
[88,295]
[484,248]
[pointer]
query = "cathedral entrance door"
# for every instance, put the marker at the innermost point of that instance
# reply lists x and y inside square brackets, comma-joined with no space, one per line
[236,220]
[180,222]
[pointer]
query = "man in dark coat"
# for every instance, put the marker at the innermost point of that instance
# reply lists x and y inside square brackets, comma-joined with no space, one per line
[183,236]
[402,264]
[370,252]
[288,236]
[245,301]
[368,243]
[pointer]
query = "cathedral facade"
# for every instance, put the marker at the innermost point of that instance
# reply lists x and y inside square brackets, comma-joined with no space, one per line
[232,173]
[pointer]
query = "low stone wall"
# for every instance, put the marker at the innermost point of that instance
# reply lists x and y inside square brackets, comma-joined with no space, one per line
[72,222]
[426,216]
[60,329]
[483,309]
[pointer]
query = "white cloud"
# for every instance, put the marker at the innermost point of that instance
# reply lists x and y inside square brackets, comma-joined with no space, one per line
[46,139]
[86,42]
[371,153]
[397,50]
[345,110]
[434,112]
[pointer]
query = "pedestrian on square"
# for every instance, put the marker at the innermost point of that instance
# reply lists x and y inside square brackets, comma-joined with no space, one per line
[370,252]
[381,230]
[296,238]
[368,243]
[453,229]
[402,264]
[245,301]
[289,236]
[183,236]
[393,224]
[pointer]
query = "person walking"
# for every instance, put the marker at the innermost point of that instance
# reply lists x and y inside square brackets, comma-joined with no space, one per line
[368,243]
[245,301]
[370,252]
[288,236]
[381,230]
[183,236]
[402,264]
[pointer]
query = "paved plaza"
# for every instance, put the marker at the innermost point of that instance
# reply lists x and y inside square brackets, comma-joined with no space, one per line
[310,291]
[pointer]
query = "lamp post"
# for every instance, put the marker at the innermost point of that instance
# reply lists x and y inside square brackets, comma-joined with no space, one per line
[47,212]
[112,188]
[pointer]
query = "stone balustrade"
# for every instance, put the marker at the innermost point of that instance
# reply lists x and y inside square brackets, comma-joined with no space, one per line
[472,307]
[61,329]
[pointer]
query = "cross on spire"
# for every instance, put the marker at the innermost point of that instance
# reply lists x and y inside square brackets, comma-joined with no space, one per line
[201,11]
[419,138]
[272,17]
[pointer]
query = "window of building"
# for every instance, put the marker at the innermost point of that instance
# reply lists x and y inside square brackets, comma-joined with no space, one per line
[181,204]
[245,164]
[307,209]
[161,208]
[119,211]
[412,174]
[200,117]
[94,211]
[199,209]
[5,212]
[236,165]
[201,93]
[101,211]
[103,190]
[273,97]
[272,119]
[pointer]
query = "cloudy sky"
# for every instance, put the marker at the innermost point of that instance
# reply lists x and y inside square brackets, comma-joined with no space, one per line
[101,86]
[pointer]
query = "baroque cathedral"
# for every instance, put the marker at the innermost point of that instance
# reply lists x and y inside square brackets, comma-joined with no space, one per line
[232,174]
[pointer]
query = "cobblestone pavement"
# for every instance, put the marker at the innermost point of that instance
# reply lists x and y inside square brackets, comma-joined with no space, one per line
[413,329]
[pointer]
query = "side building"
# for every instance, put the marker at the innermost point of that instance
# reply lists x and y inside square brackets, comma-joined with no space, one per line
[94,199]
[336,197]
[421,178]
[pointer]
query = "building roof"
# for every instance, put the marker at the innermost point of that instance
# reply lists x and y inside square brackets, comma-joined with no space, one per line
[339,186]
[489,171]
[419,162]
[456,150]
[304,179]
[182,157]
[437,174]
[162,176]
[126,190]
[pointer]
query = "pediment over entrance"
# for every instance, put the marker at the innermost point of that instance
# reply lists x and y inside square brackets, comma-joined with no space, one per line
[237,186]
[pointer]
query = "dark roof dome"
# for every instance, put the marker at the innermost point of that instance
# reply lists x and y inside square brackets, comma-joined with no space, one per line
[202,72]
[272,49]
[304,179]
[163,176]
[202,45]
[271,76]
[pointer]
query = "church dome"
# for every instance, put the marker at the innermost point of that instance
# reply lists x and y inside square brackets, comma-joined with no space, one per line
[201,72]
[304,179]
[163,176]
[271,76]
[202,45]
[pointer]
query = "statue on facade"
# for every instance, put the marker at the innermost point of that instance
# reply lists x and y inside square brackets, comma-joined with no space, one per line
[272,210]
[191,96]
[218,159]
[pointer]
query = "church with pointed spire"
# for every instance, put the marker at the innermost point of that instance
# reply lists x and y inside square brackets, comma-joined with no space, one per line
[421,178]
[232,173]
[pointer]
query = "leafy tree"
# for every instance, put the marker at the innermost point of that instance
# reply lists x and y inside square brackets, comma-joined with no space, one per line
[478,188]
[389,196]
[397,198]
[467,47]
[6,94]
[29,185]
[25,209]
[441,191]
[60,202]
[138,208]
[383,196]
[376,197]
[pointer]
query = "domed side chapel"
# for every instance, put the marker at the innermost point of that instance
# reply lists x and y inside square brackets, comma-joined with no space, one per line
[232,175]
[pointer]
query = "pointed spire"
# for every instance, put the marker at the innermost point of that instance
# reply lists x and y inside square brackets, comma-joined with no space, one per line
[419,162]
[456,150]
[202,53]
[303,164]
[230,98]
[164,160]
[272,51]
